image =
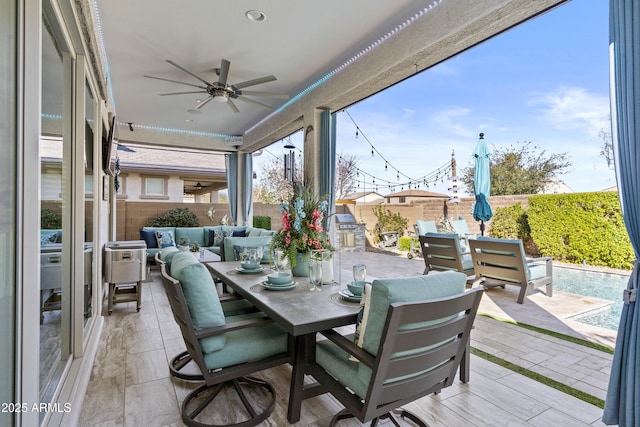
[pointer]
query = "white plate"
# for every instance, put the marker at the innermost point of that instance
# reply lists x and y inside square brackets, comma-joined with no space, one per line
[273,287]
[254,271]
[349,296]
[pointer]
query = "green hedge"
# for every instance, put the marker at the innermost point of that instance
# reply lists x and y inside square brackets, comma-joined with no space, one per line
[404,243]
[581,227]
[263,222]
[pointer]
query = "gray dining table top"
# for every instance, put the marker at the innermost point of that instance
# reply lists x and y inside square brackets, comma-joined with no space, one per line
[298,311]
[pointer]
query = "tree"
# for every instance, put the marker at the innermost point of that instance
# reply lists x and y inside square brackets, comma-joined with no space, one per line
[606,149]
[272,187]
[523,169]
[346,175]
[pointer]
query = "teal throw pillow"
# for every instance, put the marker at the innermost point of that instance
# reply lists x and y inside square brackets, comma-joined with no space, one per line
[244,253]
[165,238]
[48,238]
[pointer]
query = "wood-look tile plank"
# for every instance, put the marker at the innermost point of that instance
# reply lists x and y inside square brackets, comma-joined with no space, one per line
[151,404]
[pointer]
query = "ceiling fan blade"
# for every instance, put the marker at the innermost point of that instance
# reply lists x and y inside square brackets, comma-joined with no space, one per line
[224,71]
[182,93]
[269,94]
[232,106]
[203,103]
[251,101]
[188,72]
[254,82]
[175,81]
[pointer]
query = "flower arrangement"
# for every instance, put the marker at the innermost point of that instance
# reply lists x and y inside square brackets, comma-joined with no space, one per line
[194,247]
[302,228]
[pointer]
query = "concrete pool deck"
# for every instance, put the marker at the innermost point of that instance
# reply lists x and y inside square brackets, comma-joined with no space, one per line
[556,313]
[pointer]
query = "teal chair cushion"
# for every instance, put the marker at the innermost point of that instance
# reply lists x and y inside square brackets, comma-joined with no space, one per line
[202,300]
[536,271]
[460,226]
[424,226]
[234,245]
[405,289]
[180,260]
[164,253]
[467,262]
[248,344]
[337,362]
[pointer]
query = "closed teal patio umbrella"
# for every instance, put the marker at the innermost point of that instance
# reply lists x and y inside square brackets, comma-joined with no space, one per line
[482,183]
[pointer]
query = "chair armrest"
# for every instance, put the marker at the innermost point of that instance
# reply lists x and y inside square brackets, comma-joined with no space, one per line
[233,326]
[350,347]
[548,262]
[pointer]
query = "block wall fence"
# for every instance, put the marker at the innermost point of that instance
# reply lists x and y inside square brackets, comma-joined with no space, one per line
[132,216]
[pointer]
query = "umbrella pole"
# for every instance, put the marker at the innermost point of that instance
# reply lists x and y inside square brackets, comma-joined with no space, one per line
[482,228]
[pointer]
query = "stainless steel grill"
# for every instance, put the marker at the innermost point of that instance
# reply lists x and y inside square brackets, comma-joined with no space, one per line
[351,234]
[125,269]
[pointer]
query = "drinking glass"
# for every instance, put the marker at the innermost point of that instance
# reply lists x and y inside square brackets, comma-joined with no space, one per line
[315,270]
[359,272]
[279,261]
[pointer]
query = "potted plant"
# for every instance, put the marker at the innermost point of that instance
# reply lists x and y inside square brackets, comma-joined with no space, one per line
[195,249]
[183,244]
[302,228]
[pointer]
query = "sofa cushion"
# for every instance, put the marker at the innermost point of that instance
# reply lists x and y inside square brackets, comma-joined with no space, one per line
[194,234]
[239,233]
[149,237]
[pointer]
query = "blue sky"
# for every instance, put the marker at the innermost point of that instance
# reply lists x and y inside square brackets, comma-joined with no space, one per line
[546,81]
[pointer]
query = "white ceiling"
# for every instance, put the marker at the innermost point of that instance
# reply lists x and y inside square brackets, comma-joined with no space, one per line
[299,43]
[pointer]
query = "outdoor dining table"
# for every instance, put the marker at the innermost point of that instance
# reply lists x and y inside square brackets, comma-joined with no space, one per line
[298,311]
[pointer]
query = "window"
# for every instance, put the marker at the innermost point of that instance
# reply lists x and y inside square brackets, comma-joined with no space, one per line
[154,188]
[403,199]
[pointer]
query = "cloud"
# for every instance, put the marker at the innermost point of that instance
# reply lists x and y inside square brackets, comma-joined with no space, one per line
[450,120]
[570,108]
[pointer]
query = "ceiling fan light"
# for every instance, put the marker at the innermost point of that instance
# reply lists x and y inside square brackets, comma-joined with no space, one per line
[255,15]
[221,96]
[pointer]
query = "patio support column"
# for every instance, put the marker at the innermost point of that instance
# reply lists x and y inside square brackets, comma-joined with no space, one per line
[312,143]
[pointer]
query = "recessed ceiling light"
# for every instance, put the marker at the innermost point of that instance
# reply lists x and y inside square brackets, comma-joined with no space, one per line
[188,120]
[255,15]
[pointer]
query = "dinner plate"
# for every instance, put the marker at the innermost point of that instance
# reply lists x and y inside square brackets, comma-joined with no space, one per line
[348,297]
[254,271]
[272,287]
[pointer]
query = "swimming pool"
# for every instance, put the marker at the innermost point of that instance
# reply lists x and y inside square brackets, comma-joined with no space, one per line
[594,284]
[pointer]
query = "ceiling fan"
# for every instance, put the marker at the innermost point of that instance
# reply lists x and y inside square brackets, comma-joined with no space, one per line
[221,91]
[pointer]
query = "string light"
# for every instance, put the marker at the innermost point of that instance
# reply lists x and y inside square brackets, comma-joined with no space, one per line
[372,153]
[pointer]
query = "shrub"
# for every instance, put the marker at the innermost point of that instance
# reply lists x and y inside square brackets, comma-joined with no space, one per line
[49,220]
[180,217]
[262,222]
[404,243]
[389,221]
[581,227]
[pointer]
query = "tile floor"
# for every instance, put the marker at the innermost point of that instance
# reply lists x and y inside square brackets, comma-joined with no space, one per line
[130,383]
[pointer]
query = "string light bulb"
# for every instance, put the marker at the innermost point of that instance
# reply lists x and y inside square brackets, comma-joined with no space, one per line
[385,166]
[357,133]
[372,153]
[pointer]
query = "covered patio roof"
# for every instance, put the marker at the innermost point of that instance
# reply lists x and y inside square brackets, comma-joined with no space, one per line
[326,55]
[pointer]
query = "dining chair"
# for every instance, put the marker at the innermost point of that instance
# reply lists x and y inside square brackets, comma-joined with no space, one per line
[442,252]
[415,338]
[180,366]
[226,349]
[500,262]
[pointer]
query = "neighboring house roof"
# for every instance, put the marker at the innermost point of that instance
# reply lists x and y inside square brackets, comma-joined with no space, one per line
[417,193]
[169,158]
[556,186]
[361,194]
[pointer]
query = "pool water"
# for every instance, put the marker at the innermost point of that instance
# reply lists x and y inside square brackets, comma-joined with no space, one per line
[596,284]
